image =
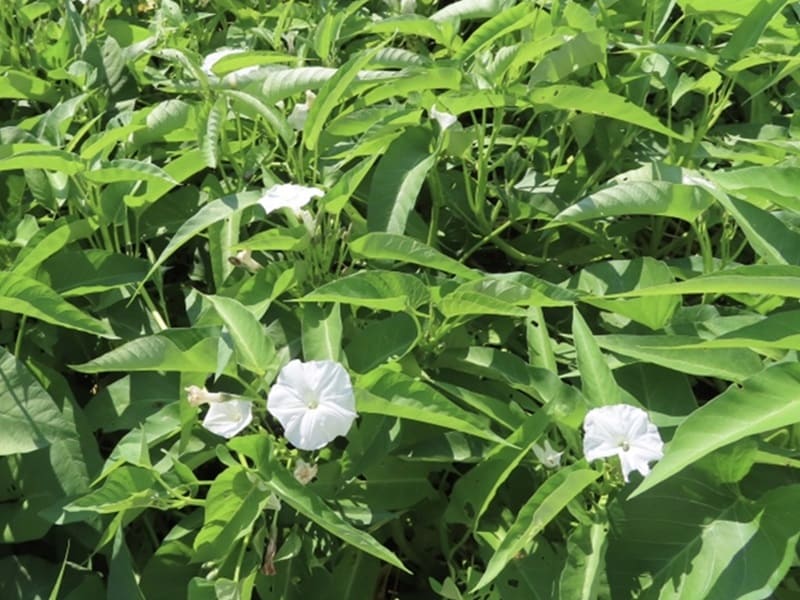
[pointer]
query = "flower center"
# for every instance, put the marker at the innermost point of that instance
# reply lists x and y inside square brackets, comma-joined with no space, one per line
[311,400]
[625,445]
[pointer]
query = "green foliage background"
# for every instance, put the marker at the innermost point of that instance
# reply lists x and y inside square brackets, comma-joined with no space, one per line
[613,217]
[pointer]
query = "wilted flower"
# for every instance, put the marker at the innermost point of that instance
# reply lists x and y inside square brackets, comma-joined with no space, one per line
[304,472]
[245,260]
[444,119]
[625,431]
[547,455]
[299,114]
[273,502]
[288,195]
[313,401]
[226,415]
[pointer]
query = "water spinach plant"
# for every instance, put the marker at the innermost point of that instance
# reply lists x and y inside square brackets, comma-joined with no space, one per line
[484,299]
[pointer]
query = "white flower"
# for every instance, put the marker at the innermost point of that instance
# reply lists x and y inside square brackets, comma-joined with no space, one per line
[228,418]
[444,119]
[313,401]
[625,431]
[226,415]
[547,455]
[288,195]
[304,472]
[299,114]
[213,58]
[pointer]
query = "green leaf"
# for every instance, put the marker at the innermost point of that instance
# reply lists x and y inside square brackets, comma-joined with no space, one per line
[682,353]
[293,239]
[84,272]
[761,186]
[26,296]
[235,500]
[127,487]
[597,382]
[504,22]
[48,160]
[18,85]
[209,214]
[322,332]
[385,392]
[563,402]
[770,238]
[305,501]
[474,491]
[414,79]
[778,330]
[778,280]
[331,94]
[126,169]
[597,102]
[545,504]
[605,279]
[716,544]
[586,550]
[586,48]
[253,348]
[50,240]
[750,29]
[209,140]
[180,169]
[462,303]
[469,10]
[29,418]
[766,401]
[122,581]
[390,246]
[398,179]
[381,341]
[520,289]
[662,198]
[183,350]
[418,25]
[376,289]
[280,83]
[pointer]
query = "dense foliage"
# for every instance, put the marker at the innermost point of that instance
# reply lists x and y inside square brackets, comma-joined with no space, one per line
[513,212]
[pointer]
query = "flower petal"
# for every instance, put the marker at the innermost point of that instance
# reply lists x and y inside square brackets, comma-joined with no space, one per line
[313,401]
[444,119]
[288,195]
[228,418]
[625,431]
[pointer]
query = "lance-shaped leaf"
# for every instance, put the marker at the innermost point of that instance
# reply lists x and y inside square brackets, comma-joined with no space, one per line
[766,401]
[543,507]
[26,296]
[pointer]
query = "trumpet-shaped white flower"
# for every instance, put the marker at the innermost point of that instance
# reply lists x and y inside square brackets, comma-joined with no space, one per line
[625,431]
[226,415]
[547,455]
[304,472]
[297,118]
[313,401]
[444,119]
[288,195]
